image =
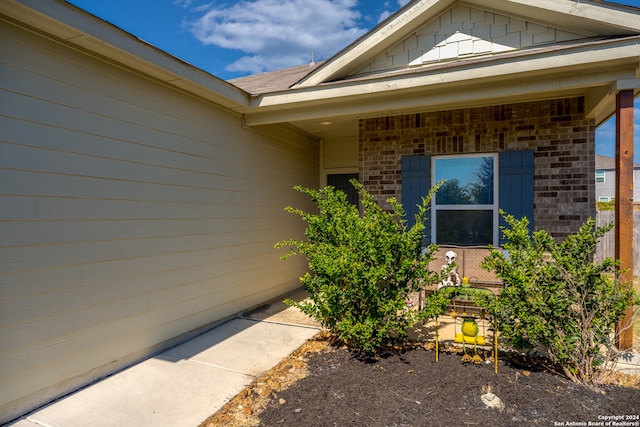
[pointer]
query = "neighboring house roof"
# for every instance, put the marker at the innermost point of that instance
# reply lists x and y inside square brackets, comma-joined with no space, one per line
[604,162]
[609,163]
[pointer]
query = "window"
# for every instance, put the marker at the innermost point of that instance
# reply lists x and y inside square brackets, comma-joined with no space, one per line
[465,209]
[599,177]
[475,210]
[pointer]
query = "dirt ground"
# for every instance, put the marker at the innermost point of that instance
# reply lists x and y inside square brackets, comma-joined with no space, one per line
[322,384]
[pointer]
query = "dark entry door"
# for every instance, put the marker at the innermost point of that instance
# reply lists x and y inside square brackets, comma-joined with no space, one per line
[341,182]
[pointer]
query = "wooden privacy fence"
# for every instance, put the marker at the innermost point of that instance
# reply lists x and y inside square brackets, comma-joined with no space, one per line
[606,247]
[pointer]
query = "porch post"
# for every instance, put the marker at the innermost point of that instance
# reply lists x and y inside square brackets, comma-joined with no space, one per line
[624,206]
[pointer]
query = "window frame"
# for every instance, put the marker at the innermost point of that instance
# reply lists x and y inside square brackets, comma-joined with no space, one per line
[494,207]
[603,175]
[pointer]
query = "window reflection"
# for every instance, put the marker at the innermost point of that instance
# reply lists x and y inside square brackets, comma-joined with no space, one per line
[469,181]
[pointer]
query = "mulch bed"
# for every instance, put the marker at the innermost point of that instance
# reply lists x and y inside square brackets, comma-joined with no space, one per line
[326,385]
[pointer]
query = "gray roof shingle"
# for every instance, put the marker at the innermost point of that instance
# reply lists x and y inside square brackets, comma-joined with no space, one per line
[274,81]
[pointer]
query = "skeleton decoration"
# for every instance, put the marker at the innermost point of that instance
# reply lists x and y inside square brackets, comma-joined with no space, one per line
[452,279]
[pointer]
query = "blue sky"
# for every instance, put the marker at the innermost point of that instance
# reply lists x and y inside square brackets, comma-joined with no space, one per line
[236,38]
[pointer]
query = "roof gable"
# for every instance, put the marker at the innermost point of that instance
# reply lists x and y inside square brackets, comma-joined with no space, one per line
[463,32]
[427,32]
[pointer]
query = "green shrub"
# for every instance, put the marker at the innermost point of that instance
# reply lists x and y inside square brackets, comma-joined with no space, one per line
[606,206]
[555,296]
[362,267]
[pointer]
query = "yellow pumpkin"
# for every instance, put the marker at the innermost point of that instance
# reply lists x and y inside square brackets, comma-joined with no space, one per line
[470,327]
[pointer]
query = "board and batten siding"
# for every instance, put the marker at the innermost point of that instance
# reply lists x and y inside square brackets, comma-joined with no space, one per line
[132,215]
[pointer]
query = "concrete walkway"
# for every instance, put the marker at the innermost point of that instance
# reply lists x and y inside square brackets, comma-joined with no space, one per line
[186,384]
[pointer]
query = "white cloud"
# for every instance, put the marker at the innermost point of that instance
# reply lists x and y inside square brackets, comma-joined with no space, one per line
[183,3]
[279,33]
[258,63]
[389,9]
[384,15]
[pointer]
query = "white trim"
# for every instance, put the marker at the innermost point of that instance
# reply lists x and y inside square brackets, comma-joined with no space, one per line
[626,84]
[502,80]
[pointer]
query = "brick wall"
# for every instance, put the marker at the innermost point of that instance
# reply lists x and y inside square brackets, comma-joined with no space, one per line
[562,138]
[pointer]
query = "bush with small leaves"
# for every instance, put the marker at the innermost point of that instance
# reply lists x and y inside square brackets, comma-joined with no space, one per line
[557,297]
[363,266]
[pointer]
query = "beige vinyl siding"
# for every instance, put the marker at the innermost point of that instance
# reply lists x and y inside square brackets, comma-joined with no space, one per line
[340,152]
[131,214]
[339,155]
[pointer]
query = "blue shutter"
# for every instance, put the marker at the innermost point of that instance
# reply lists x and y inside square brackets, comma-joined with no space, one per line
[416,183]
[516,185]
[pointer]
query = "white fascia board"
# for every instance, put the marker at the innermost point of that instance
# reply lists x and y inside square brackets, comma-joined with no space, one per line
[578,60]
[76,27]
[474,95]
[626,84]
[597,17]
[564,75]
